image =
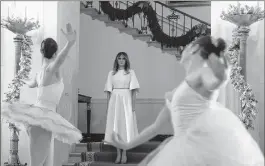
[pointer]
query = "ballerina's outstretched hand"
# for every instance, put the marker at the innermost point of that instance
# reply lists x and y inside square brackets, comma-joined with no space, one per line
[70,34]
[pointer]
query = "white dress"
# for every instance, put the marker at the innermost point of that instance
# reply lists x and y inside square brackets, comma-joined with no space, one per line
[43,113]
[205,134]
[120,117]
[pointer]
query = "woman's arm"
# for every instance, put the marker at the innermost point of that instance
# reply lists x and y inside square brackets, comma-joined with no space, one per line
[31,83]
[147,133]
[108,98]
[133,99]
[71,37]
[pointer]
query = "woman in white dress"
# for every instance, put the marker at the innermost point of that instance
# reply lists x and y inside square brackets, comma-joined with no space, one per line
[41,120]
[205,132]
[121,88]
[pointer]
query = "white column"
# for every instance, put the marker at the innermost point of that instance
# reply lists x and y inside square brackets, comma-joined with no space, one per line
[68,12]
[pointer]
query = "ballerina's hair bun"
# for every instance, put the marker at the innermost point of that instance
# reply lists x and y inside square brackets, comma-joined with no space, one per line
[210,45]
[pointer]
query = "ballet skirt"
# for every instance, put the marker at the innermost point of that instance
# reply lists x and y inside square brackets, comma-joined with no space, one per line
[43,113]
[205,134]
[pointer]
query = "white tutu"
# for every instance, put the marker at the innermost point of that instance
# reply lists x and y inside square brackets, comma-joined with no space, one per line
[30,115]
[206,134]
[43,114]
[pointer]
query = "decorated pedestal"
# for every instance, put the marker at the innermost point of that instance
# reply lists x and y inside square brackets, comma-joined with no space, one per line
[23,51]
[243,18]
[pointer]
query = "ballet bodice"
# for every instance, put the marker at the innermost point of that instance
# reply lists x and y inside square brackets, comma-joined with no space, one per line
[49,96]
[186,106]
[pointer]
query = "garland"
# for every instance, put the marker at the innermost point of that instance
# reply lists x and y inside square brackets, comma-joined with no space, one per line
[236,14]
[153,24]
[247,97]
[20,27]
[25,67]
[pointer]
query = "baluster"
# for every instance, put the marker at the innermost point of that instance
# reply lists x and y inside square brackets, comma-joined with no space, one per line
[133,16]
[184,26]
[190,23]
[145,26]
[176,27]
[173,28]
[169,26]
[141,20]
[99,7]
[127,5]
[162,18]
[162,23]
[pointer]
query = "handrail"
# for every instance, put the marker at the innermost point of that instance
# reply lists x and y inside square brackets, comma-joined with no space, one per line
[192,17]
[160,19]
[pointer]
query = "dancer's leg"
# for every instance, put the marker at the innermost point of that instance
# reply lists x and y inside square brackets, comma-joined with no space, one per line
[40,140]
[49,160]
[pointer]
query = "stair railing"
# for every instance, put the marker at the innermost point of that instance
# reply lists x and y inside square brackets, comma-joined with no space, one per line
[172,21]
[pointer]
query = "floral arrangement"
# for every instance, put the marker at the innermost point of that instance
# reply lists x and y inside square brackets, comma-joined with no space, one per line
[244,15]
[20,27]
[247,97]
[239,10]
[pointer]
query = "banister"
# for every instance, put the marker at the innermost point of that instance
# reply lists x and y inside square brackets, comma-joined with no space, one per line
[192,17]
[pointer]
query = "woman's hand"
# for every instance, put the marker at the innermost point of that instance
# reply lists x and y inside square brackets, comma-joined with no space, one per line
[70,34]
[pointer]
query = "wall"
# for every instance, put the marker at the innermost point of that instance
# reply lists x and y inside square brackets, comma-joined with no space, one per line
[157,72]
[255,57]
[53,16]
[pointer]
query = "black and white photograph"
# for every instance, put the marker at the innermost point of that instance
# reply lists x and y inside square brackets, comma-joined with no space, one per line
[132,83]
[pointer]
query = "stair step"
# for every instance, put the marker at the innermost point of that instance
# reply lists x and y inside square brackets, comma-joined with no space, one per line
[74,158]
[172,51]
[69,164]
[154,44]
[101,17]
[143,37]
[104,164]
[101,147]
[132,157]
[115,24]
[89,11]
[129,31]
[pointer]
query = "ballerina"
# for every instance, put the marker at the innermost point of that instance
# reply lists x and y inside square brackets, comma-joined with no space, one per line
[205,132]
[41,120]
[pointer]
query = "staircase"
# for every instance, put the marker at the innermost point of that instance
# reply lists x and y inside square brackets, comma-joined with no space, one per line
[99,154]
[173,23]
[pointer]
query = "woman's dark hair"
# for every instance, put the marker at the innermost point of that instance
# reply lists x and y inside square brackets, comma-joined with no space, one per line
[207,47]
[48,48]
[127,63]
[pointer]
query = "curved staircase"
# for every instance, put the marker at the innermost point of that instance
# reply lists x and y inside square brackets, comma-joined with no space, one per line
[175,23]
[98,153]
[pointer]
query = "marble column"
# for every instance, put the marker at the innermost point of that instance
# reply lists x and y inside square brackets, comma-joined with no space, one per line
[243,33]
